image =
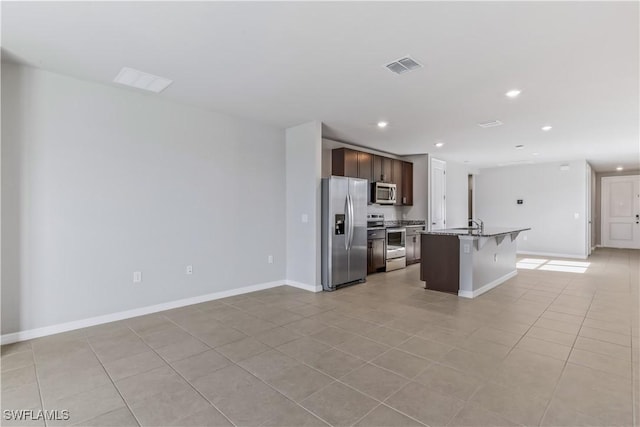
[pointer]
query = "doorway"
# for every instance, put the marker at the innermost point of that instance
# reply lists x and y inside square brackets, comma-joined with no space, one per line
[621,211]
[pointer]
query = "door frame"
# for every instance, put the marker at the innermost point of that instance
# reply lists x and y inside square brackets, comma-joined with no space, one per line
[604,193]
[588,211]
[431,192]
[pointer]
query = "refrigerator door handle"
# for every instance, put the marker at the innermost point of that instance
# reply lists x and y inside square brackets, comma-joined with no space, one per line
[347,220]
[351,225]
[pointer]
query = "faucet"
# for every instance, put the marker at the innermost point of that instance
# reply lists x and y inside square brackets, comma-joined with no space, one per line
[478,223]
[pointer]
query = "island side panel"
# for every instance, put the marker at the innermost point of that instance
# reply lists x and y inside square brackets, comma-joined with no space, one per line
[486,267]
[440,264]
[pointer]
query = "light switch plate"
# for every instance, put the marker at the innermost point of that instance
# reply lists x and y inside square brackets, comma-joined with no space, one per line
[305,218]
[137,276]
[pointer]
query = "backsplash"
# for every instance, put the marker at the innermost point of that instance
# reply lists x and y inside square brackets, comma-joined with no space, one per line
[391,213]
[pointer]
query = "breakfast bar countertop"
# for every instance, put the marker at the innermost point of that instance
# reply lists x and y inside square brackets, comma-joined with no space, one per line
[475,232]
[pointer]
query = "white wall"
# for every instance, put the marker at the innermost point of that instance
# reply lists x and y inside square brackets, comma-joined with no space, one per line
[303,187]
[551,198]
[98,182]
[420,208]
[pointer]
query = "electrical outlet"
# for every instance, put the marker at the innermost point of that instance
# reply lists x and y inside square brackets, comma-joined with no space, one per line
[467,248]
[270,259]
[189,269]
[305,218]
[137,276]
[525,237]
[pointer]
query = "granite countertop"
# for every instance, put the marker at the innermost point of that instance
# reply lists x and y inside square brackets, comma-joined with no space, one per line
[405,223]
[487,232]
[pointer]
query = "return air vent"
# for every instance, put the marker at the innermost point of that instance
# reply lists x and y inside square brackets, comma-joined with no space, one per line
[491,124]
[517,162]
[141,80]
[403,65]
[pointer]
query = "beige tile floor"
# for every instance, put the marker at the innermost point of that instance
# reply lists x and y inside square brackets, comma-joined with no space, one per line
[548,348]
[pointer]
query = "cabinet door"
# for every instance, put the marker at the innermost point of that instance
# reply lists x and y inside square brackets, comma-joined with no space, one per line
[417,255]
[379,254]
[382,169]
[377,169]
[387,169]
[365,165]
[407,183]
[371,268]
[344,162]
[411,248]
[396,178]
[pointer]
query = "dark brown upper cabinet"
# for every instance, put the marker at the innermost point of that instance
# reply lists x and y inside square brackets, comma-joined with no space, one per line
[358,164]
[351,163]
[365,165]
[396,178]
[407,184]
[382,169]
[344,162]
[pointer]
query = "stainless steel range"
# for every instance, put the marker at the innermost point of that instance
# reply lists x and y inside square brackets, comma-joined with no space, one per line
[396,248]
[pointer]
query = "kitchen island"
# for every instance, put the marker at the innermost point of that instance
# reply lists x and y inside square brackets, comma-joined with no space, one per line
[468,261]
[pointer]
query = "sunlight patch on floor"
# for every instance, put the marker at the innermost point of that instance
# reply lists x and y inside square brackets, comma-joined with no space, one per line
[553,265]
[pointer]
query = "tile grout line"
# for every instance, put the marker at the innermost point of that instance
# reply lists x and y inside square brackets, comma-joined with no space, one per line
[564,366]
[514,346]
[35,367]
[187,381]
[249,372]
[113,383]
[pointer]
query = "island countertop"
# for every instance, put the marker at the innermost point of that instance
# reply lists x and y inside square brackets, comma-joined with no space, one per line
[475,232]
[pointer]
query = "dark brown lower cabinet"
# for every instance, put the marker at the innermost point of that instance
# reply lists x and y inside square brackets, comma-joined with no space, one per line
[440,264]
[413,247]
[376,255]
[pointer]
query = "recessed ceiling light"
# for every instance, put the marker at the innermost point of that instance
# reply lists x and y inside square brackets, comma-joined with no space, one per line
[519,147]
[546,128]
[513,93]
[619,168]
[142,80]
[536,154]
[439,144]
[382,125]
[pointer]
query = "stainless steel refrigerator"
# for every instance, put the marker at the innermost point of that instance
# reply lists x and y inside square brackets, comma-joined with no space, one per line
[344,231]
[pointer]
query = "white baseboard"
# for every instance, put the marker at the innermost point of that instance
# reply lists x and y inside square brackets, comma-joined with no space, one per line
[488,286]
[310,288]
[127,314]
[551,254]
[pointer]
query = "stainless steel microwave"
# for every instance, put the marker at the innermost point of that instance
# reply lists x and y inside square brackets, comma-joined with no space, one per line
[383,193]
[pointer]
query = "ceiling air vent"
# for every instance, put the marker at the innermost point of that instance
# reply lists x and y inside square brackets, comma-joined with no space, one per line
[491,124]
[142,80]
[403,65]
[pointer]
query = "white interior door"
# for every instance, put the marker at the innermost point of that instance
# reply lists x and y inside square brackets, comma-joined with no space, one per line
[438,194]
[621,211]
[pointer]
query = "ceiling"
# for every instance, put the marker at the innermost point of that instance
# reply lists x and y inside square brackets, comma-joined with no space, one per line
[285,63]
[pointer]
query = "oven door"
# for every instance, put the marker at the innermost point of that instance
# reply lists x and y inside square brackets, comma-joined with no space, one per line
[396,246]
